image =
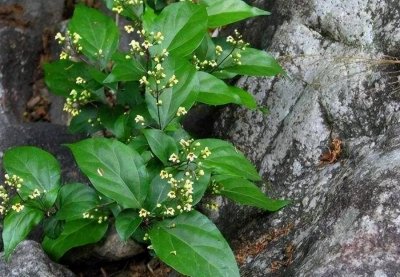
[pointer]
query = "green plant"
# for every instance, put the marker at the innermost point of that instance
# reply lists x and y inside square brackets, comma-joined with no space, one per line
[146,173]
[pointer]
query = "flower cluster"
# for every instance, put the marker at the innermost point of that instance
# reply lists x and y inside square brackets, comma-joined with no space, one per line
[148,40]
[96,215]
[120,5]
[215,188]
[203,64]
[213,206]
[239,45]
[181,182]
[71,44]
[75,100]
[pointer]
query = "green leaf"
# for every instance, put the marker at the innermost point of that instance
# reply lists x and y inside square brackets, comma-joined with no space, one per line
[74,200]
[192,244]
[224,12]
[115,170]
[17,226]
[98,32]
[213,91]
[183,26]
[38,169]
[254,63]
[125,69]
[75,233]
[158,193]
[184,94]
[160,144]
[126,223]
[247,193]
[225,159]
[53,227]
[80,123]
[60,76]
[148,17]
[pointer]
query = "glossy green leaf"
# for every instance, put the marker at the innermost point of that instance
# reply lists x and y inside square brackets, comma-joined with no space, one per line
[192,244]
[60,76]
[125,69]
[115,170]
[99,33]
[17,226]
[74,200]
[247,193]
[224,12]
[53,227]
[254,63]
[161,144]
[184,94]
[183,26]
[213,91]
[76,233]
[225,159]
[38,169]
[126,223]
[158,193]
[82,123]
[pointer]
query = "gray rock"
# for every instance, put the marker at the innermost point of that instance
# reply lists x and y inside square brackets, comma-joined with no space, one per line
[110,249]
[345,216]
[114,249]
[29,260]
[21,29]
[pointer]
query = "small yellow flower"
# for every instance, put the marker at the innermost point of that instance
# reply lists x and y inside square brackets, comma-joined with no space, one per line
[17,207]
[63,55]
[171,194]
[164,174]
[181,111]
[80,80]
[129,29]
[174,158]
[191,157]
[205,152]
[143,81]
[144,213]
[118,9]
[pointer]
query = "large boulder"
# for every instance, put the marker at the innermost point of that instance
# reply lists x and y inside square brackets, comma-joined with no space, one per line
[344,219]
[29,260]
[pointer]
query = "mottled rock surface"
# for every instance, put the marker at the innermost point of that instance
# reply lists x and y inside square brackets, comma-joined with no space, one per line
[345,216]
[29,260]
[23,27]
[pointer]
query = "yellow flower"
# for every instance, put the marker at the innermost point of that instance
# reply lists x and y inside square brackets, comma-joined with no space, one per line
[181,111]
[17,207]
[144,213]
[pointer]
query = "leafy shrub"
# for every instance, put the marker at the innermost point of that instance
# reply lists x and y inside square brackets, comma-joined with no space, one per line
[147,174]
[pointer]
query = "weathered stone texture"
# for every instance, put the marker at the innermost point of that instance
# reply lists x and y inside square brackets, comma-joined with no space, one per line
[345,215]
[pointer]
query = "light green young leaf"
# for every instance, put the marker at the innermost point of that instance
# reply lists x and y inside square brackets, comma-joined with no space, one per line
[213,91]
[183,26]
[17,226]
[38,169]
[98,32]
[254,63]
[74,200]
[76,233]
[192,244]
[247,193]
[224,12]
[160,144]
[126,223]
[225,159]
[114,169]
